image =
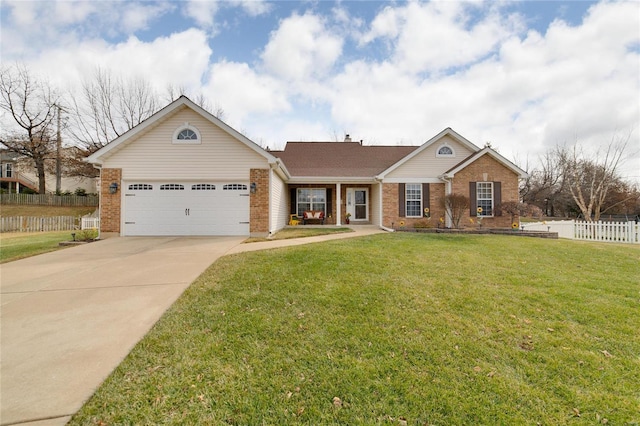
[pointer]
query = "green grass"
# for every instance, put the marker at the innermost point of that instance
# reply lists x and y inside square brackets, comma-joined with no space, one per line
[10,210]
[422,329]
[300,232]
[18,246]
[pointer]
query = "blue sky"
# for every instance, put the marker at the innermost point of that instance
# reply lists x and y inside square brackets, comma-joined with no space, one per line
[523,75]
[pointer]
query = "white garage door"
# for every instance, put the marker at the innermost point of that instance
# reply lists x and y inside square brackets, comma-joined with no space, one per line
[186,208]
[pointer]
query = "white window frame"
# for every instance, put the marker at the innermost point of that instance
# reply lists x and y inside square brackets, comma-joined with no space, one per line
[186,126]
[482,200]
[8,170]
[413,194]
[452,154]
[313,205]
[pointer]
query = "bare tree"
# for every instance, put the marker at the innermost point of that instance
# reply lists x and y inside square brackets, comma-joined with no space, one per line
[455,206]
[590,179]
[173,93]
[31,103]
[108,107]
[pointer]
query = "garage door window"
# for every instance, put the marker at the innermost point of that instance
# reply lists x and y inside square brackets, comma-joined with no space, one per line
[140,187]
[203,187]
[171,187]
[234,187]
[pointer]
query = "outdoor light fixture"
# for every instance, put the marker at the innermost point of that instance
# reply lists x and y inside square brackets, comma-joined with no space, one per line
[113,188]
[254,187]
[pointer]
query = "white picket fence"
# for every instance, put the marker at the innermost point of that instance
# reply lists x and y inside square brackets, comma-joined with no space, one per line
[610,232]
[90,223]
[37,224]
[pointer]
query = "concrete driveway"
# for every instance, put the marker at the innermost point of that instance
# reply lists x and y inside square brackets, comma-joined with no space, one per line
[68,318]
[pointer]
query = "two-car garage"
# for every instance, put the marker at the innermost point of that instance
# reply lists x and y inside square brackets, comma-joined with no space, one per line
[185,208]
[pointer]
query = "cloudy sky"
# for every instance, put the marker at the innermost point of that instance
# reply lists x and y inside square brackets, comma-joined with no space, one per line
[524,76]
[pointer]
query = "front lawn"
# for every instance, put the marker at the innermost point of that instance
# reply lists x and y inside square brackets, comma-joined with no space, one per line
[393,329]
[14,246]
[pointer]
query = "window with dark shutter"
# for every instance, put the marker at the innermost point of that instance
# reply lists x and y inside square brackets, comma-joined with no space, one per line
[425,198]
[473,207]
[497,197]
[401,200]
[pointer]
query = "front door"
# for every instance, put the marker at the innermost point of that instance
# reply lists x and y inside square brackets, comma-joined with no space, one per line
[358,203]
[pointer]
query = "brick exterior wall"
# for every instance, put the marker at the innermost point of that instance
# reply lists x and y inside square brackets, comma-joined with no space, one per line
[487,169]
[495,172]
[391,211]
[110,204]
[259,202]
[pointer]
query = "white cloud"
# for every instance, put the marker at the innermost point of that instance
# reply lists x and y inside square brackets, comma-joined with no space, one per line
[254,7]
[242,92]
[180,59]
[302,47]
[203,12]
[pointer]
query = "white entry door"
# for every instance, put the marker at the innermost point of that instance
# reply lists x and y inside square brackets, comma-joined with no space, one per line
[185,208]
[358,203]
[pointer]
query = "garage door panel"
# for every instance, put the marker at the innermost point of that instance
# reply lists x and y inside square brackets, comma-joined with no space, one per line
[198,209]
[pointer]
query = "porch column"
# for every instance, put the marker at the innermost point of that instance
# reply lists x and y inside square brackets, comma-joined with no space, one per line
[17,187]
[338,205]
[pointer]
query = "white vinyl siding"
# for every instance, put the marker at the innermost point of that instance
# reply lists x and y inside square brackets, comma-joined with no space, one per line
[154,156]
[279,204]
[374,201]
[427,165]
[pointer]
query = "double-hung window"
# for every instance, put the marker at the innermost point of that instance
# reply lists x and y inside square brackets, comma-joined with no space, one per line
[484,198]
[413,199]
[312,199]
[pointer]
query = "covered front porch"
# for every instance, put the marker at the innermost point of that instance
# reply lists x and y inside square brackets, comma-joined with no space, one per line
[341,203]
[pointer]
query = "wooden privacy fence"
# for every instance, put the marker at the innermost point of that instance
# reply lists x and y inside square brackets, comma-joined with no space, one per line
[609,232]
[38,224]
[49,200]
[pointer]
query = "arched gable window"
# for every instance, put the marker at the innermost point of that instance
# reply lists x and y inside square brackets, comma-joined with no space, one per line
[186,135]
[445,151]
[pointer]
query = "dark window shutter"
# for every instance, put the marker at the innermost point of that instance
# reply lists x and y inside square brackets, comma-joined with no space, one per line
[401,200]
[473,207]
[294,201]
[497,198]
[425,197]
[329,203]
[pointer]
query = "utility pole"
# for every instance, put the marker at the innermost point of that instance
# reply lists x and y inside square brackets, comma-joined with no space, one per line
[58,156]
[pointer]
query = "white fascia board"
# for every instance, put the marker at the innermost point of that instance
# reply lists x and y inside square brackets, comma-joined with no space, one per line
[495,155]
[413,180]
[446,132]
[331,180]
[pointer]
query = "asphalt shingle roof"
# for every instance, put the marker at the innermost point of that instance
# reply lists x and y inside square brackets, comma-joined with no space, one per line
[339,159]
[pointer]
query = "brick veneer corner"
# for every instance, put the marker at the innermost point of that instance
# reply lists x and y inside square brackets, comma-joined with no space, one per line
[110,204]
[259,202]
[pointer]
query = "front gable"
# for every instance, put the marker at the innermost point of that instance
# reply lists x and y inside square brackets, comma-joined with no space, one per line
[155,149]
[432,159]
[158,154]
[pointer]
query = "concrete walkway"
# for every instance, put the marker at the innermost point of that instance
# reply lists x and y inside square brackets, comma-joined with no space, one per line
[68,318]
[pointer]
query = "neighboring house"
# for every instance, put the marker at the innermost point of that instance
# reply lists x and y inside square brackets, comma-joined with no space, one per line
[18,175]
[11,180]
[185,172]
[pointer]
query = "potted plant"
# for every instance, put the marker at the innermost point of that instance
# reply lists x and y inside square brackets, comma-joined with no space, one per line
[348,218]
